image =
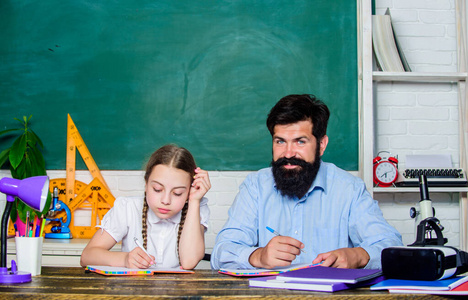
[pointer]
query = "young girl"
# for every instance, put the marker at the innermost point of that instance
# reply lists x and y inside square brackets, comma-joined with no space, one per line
[170,222]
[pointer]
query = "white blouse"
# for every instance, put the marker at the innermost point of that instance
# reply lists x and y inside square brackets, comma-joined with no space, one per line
[123,223]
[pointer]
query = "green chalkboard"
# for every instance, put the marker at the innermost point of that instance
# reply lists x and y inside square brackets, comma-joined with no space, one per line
[137,74]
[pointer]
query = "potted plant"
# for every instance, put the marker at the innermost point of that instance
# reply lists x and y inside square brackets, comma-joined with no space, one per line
[25,160]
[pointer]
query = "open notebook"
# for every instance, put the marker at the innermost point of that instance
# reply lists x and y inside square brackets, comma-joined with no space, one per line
[106,270]
[264,272]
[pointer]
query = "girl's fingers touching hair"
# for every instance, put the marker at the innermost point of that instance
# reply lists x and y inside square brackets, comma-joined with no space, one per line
[201,176]
[200,185]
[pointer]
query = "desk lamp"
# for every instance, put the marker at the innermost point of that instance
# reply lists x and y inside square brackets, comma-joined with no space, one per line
[33,191]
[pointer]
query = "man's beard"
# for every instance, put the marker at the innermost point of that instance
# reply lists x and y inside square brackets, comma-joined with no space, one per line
[295,182]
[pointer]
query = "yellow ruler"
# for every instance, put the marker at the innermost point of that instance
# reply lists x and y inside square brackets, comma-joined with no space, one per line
[60,183]
[75,141]
[99,200]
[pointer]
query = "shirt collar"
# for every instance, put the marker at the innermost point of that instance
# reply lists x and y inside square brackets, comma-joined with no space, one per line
[153,218]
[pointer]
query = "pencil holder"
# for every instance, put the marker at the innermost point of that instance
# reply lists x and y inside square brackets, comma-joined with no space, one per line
[29,254]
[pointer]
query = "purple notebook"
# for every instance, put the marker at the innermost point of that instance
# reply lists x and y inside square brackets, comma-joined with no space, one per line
[328,274]
[274,282]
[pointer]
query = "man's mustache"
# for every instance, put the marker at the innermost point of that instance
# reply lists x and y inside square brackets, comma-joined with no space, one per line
[283,161]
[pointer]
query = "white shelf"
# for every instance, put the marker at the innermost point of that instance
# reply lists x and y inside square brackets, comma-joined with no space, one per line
[416,189]
[419,76]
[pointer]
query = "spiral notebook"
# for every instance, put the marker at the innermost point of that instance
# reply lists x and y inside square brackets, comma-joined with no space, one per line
[107,270]
[264,272]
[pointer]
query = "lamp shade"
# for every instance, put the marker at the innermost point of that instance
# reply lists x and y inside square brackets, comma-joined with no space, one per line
[32,191]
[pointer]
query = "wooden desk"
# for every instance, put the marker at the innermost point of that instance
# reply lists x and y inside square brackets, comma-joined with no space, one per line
[74,283]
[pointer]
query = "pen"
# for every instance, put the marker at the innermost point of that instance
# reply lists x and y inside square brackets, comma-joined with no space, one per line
[42,227]
[277,234]
[33,233]
[30,229]
[26,227]
[137,242]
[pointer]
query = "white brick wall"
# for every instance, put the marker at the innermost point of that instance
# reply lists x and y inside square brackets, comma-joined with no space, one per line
[410,119]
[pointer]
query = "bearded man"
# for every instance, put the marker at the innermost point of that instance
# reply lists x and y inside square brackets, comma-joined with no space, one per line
[322,213]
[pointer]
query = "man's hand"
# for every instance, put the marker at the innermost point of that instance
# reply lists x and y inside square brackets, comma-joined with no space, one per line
[279,252]
[345,258]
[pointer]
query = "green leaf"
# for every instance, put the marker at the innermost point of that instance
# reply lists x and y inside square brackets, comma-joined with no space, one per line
[22,208]
[31,139]
[4,156]
[37,159]
[14,213]
[32,213]
[10,130]
[20,171]
[13,173]
[37,170]
[21,122]
[17,151]
[28,171]
[36,138]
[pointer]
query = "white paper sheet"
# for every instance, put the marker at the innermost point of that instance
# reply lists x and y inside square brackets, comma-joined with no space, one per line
[428,161]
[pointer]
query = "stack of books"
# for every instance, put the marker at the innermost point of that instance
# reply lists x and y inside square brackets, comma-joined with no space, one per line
[319,278]
[451,286]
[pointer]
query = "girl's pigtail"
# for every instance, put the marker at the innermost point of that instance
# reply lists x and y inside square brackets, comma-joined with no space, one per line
[181,225]
[144,225]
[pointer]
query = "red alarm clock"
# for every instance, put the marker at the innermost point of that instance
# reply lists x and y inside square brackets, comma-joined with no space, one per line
[385,170]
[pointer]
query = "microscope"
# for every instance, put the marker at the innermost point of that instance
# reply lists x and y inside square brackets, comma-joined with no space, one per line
[426,220]
[62,231]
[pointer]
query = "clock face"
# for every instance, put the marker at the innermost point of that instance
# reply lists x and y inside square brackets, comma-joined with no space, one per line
[386,172]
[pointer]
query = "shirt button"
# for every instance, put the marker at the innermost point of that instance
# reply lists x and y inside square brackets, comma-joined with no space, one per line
[295,232]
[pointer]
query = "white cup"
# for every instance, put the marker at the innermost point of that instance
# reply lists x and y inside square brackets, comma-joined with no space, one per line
[29,254]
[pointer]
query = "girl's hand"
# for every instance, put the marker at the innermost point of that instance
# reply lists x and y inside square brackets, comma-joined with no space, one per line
[200,185]
[138,259]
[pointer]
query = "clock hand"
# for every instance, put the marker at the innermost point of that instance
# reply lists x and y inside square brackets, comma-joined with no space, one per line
[384,174]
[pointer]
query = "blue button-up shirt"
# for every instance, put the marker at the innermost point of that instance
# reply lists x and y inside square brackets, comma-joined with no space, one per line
[336,212]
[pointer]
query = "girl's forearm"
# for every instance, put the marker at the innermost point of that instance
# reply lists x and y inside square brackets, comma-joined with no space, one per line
[102,257]
[192,239]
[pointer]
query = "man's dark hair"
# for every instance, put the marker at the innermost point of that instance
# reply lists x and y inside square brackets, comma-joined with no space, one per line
[294,108]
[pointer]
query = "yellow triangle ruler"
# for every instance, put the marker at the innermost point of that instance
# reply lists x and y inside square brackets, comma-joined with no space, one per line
[60,183]
[75,141]
[99,200]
